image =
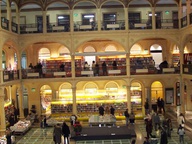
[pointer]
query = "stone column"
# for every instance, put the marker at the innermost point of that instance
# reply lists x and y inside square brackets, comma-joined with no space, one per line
[74,100]
[181,51]
[18,20]
[73,66]
[1,69]
[0,14]
[71,21]
[2,111]
[129,98]
[99,19]
[188,2]
[153,18]
[21,110]
[126,18]
[180,13]
[9,17]
[44,21]
[128,66]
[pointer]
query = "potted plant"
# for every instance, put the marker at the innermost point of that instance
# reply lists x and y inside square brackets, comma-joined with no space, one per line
[77,128]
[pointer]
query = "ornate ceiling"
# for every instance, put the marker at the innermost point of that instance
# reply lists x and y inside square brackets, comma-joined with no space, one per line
[43,4]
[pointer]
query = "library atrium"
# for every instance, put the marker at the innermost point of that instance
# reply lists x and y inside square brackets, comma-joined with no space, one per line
[65,57]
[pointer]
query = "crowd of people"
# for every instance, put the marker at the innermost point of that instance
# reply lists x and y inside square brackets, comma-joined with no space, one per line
[153,121]
[96,68]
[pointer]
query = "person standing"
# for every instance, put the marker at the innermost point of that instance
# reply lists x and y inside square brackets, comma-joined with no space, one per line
[114,65]
[96,69]
[132,118]
[57,132]
[62,67]
[11,119]
[181,133]
[162,105]
[104,68]
[126,114]
[146,107]
[66,133]
[112,110]
[8,137]
[101,110]
[93,68]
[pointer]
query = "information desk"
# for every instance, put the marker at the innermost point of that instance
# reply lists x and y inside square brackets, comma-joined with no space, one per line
[102,120]
[21,127]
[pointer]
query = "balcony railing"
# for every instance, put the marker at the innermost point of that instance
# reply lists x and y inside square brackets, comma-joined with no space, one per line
[10,75]
[95,72]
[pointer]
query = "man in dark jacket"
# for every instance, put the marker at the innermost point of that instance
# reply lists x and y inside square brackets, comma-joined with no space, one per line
[57,134]
[66,132]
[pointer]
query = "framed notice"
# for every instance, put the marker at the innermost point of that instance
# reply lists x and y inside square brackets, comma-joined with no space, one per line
[169,95]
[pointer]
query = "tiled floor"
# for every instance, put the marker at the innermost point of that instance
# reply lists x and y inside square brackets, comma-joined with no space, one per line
[44,136]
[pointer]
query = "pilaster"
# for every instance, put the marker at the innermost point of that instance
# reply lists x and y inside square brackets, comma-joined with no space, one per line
[99,19]
[126,18]
[153,18]
[2,111]
[44,21]
[21,110]
[74,101]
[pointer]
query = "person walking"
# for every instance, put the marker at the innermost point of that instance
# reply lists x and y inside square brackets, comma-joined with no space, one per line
[66,133]
[181,133]
[163,139]
[181,120]
[126,114]
[156,121]
[149,126]
[57,133]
